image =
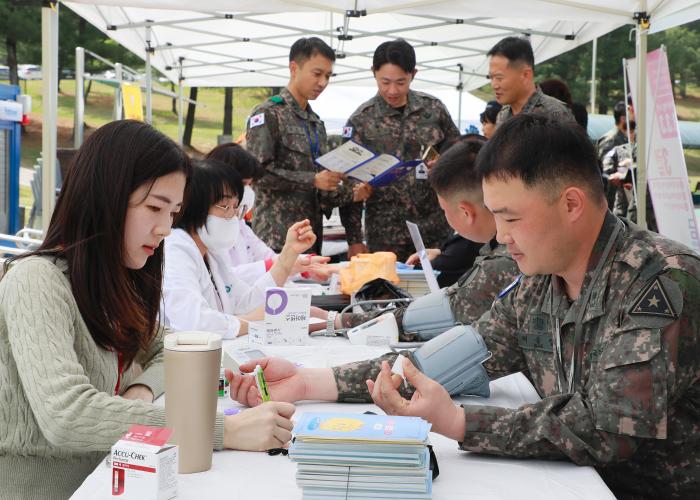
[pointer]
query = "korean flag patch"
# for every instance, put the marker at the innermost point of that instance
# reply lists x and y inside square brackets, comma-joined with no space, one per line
[347,132]
[257,120]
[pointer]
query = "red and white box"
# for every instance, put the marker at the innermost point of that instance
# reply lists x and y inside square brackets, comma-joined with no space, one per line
[144,465]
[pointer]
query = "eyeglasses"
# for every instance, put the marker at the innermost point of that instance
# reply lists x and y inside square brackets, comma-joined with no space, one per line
[234,210]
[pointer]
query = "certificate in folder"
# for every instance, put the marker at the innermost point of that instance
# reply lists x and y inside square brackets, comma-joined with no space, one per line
[360,163]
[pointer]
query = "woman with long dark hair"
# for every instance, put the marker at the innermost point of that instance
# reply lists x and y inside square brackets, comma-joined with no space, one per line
[79,319]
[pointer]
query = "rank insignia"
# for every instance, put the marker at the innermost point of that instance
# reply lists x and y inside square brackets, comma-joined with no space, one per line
[257,120]
[654,301]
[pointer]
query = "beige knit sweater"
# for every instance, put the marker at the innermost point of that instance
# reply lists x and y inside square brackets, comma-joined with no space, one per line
[58,414]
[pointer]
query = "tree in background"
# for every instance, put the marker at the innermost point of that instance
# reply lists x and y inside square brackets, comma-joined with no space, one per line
[574,67]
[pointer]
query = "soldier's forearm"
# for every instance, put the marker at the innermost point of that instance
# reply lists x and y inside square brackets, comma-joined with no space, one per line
[281,179]
[556,428]
[319,384]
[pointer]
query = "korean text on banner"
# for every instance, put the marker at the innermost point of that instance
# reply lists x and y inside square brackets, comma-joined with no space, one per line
[133,109]
[666,170]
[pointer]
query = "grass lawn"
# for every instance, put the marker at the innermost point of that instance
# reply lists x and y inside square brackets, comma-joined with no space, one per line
[98,111]
[209,118]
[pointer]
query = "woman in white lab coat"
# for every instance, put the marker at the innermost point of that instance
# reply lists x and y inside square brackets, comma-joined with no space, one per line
[251,258]
[200,291]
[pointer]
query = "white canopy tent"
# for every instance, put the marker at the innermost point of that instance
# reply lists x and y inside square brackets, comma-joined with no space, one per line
[246,43]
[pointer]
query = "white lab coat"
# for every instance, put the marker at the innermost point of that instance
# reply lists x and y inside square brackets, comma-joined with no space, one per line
[189,297]
[249,254]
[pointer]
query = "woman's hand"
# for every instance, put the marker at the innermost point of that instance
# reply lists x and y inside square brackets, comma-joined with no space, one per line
[300,237]
[258,429]
[139,391]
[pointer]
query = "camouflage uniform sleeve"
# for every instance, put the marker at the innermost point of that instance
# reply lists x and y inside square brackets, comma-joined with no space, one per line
[474,293]
[350,378]
[498,327]
[261,142]
[351,217]
[643,367]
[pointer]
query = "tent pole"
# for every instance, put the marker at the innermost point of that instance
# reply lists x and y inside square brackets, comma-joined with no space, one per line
[460,87]
[149,50]
[49,68]
[594,60]
[79,113]
[641,112]
[180,82]
[117,110]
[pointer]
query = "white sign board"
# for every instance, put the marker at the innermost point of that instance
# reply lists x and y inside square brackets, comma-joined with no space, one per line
[666,171]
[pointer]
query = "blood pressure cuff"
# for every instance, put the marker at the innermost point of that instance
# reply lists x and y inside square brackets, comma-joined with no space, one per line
[454,360]
[429,315]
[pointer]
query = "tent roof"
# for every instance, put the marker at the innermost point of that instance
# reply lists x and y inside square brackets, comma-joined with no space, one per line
[250,46]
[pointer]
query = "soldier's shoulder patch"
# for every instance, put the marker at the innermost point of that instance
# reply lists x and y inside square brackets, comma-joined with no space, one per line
[257,120]
[347,132]
[658,300]
[277,99]
[510,287]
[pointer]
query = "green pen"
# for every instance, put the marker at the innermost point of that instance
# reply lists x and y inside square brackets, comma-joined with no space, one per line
[260,382]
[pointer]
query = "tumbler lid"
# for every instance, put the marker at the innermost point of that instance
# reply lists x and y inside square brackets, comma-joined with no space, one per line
[192,341]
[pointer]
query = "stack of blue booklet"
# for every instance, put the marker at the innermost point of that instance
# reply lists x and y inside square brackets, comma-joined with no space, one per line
[349,455]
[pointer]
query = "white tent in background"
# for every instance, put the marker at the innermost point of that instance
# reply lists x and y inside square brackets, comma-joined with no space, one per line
[245,43]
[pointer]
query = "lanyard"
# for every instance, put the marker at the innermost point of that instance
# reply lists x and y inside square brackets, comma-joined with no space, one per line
[574,376]
[314,145]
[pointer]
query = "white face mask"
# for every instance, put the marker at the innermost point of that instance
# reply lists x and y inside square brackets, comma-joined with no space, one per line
[248,201]
[219,233]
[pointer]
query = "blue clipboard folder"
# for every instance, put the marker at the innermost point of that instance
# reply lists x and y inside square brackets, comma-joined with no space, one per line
[356,161]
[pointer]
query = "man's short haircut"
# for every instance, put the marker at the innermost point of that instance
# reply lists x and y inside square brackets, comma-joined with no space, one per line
[210,181]
[619,111]
[398,52]
[454,174]
[543,153]
[238,158]
[516,49]
[305,48]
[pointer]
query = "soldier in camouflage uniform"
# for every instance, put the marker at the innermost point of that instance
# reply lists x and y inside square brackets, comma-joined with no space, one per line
[617,136]
[456,186]
[612,347]
[401,122]
[286,136]
[511,71]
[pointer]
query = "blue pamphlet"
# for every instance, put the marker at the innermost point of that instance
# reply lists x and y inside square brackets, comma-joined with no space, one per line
[380,429]
[360,163]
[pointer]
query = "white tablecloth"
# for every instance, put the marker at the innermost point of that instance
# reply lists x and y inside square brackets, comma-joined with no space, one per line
[238,475]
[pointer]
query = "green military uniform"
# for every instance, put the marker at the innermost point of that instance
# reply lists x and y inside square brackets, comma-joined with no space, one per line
[423,122]
[625,203]
[286,140]
[633,406]
[612,138]
[470,297]
[539,103]
[605,144]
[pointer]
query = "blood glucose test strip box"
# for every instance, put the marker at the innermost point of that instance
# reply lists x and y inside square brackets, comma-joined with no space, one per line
[287,312]
[144,465]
